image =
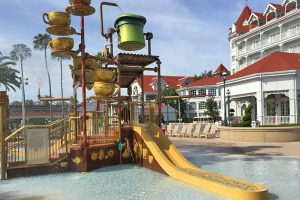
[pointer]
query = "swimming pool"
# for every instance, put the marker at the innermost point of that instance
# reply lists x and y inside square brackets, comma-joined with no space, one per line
[280,175]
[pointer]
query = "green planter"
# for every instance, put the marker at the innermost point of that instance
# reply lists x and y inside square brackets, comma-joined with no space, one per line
[130,32]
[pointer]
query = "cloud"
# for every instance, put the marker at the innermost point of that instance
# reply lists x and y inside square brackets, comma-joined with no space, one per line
[189,36]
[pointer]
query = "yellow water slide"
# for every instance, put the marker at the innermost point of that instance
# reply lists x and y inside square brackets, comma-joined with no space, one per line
[176,166]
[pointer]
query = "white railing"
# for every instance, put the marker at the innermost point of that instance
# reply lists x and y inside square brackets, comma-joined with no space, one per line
[276,120]
[290,33]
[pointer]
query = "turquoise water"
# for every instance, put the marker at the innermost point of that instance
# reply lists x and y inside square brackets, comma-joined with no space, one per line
[280,175]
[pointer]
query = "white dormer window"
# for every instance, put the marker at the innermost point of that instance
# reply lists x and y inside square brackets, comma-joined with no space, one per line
[245,23]
[233,28]
[135,90]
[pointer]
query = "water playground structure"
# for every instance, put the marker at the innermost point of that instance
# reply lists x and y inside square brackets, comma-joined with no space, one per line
[119,130]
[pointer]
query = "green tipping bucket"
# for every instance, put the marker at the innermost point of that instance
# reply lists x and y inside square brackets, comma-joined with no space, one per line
[131,35]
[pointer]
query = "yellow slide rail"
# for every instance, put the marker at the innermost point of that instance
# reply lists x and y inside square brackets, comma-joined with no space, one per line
[176,166]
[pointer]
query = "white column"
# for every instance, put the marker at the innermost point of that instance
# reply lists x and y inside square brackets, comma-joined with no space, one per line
[260,103]
[292,106]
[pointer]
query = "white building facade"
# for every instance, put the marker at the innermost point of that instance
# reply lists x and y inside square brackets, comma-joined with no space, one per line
[257,35]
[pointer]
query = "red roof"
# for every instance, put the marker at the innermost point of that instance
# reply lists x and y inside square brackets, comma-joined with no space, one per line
[277,61]
[221,69]
[246,13]
[240,28]
[278,6]
[206,81]
[171,81]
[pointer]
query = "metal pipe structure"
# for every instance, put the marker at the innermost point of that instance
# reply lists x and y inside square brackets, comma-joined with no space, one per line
[84,131]
[149,36]
[105,35]
[159,92]
[40,98]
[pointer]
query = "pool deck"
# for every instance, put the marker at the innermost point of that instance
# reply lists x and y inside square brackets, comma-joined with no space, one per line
[289,149]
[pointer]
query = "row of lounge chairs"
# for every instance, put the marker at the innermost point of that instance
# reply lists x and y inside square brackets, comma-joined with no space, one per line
[192,130]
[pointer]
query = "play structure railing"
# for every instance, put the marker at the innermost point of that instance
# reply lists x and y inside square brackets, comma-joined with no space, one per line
[137,112]
[52,148]
[100,129]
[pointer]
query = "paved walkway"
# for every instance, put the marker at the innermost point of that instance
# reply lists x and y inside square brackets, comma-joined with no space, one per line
[218,146]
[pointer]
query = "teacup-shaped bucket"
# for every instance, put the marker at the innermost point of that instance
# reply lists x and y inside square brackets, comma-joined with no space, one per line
[61,44]
[130,34]
[105,75]
[80,2]
[89,63]
[106,89]
[57,18]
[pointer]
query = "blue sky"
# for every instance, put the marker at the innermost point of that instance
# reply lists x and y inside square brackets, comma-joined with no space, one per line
[190,36]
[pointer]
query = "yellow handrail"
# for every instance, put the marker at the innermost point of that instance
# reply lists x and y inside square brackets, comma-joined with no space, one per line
[33,126]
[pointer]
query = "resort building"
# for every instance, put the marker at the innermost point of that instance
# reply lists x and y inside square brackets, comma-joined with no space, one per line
[150,85]
[265,70]
[257,35]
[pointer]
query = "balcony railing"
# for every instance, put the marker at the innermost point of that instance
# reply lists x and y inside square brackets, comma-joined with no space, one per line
[290,33]
[276,120]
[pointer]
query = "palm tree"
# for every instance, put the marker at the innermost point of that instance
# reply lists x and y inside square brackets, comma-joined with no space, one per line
[60,59]
[40,42]
[8,76]
[20,53]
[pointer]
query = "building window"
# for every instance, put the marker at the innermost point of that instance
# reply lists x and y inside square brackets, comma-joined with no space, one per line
[202,105]
[287,108]
[193,92]
[271,109]
[201,115]
[212,92]
[219,104]
[282,108]
[202,92]
[192,106]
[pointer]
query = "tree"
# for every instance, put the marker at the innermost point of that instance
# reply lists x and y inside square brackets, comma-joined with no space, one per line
[204,74]
[60,59]
[21,52]
[246,120]
[211,109]
[8,77]
[40,42]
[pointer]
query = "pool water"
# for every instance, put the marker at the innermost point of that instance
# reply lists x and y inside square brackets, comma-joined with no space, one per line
[280,175]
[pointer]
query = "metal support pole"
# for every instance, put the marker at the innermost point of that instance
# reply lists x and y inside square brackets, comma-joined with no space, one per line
[119,108]
[75,113]
[168,113]
[142,99]
[228,102]
[179,109]
[84,131]
[3,132]
[159,92]
[225,113]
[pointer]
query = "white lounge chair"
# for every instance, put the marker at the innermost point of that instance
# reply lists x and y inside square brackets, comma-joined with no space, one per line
[183,130]
[176,130]
[213,132]
[197,130]
[189,130]
[169,130]
[206,131]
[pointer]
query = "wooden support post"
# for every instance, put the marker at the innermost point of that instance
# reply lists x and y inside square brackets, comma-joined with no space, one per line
[142,118]
[3,132]
[159,93]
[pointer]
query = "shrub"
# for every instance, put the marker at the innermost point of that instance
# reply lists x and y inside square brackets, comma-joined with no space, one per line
[246,120]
